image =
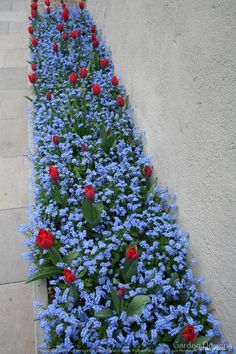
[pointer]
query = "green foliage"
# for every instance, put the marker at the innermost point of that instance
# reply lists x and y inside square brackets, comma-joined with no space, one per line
[91,212]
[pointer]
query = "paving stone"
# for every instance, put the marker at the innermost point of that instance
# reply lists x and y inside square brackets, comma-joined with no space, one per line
[5,5]
[4,26]
[17,319]
[13,266]
[19,5]
[13,137]
[14,174]
[2,56]
[18,28]
[16,58]
[13,78]
[13,41]
[13,104]
[14,16]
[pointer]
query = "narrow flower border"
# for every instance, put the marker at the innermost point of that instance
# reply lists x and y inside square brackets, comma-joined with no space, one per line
[85,88]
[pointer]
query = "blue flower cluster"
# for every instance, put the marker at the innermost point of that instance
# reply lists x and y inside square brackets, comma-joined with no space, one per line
[132,212]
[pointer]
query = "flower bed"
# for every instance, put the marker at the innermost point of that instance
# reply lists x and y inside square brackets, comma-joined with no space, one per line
[101,231]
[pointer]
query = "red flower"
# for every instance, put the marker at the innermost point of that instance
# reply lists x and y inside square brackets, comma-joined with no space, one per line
[48,95]
[103,62]
[48,9]
[93,36]
[114,81]
[189,334]
[131,253]
[32,78]
[34,42]
[53,173]
[93,29]
[55,139]
[89,193]
[34,6]
[95,43]
[30,29]
[55,47]
[47,2]
[69,276]
[73,34]
[33,67]
[65,14]
[147,171]
[96,89]
[65,36]
[63,5]
[60,27]
[83,72]
[34,13]
[120,101]
[73,78]
[78,32]
[81,5]
[45,239]
[121,292]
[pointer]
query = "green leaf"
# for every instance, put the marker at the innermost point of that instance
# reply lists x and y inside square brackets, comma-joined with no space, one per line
[56,194]
[137,304]
[28,98]
[71,256]
[54,255]
[115,299]
[130,270]
[91,212]
[202,340]
[64,200]
[104,314]
[45,272]
[83,272]
[127,102]
[74,292]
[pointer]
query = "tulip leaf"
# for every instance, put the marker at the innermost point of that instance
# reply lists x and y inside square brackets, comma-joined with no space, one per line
[54,256]
[91,212]
[137,304]
[115,299]
[202,340]
[104,314]
[73,292]
[71,256]
[130,270]
[45,272]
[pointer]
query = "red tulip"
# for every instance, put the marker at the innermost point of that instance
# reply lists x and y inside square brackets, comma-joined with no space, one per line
[65,36]
[34,42]
[55,47]
[48,95]
[30,29]
[83,72]
[95,43]
[63,5]
[60,27]
[55,139]
[45,239]
[53,173]
[120,101]
[103,62]
[48,9]
[32,78]
[73,34]
[93,36]
[147,171]
[114,81]
[78,32]
[96,89]
[69,276]
[89,193]
[34,6]
[34,13]
[81,5]
[121,292]
[189,334]
[47,2]
[131,253]
[73,78]
[65,14]
[33,67]
[93,29]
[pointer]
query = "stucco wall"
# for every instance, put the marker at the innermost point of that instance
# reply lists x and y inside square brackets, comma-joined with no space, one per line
[176,59]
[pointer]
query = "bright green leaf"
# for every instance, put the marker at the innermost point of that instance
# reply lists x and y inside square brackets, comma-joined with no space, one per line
[137,304]
[104,314]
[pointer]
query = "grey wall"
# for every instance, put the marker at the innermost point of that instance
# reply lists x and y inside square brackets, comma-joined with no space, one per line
[177,61]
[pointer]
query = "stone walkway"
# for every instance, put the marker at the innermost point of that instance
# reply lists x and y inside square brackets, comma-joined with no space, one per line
[16,298]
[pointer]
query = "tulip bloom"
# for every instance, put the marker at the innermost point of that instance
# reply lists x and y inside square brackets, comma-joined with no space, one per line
[114,81]
[89,193]
[120,101]
[34,42]
[30,29]
[189,334]
[45,239]
[55,47]
[83,72]
[103,62]
[147,171]
[48,95]
[53,173]
[55,139]
[73,78]
[81,5]
[96,89]
[121,292]
[69,276]
[32,78]
[132,253]
[60,27]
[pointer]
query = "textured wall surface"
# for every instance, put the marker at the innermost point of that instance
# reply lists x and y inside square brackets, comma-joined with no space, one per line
[177,61]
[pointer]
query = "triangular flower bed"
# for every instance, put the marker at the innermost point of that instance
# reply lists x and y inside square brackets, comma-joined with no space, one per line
[101,231]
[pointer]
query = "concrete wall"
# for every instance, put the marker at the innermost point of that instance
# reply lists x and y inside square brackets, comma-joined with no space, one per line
[176,59]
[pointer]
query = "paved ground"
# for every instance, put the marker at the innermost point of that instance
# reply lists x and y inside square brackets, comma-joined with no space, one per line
[16,298]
